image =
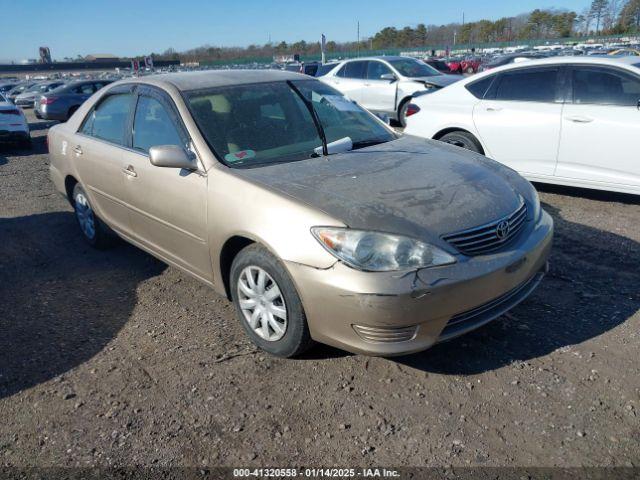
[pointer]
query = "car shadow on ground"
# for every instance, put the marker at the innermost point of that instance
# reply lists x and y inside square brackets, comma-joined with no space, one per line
[590,289]
[38,147]
[61,301]
[591,194]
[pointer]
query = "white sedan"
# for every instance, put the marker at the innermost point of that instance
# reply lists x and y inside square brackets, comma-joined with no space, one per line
[571,121]
[14,127]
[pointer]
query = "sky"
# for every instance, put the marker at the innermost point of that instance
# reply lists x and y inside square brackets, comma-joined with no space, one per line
[135,27]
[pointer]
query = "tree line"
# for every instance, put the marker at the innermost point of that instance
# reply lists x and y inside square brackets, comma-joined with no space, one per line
[601,17]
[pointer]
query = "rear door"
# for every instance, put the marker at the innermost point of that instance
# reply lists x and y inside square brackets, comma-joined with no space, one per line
[379,94]
[519,119]
[601,126]
[350,80]
[98,148]
[167,206]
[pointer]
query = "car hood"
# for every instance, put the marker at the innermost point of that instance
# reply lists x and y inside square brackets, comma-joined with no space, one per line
[410,186]
[439,80]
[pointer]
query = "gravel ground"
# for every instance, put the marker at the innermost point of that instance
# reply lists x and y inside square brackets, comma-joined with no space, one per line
[114,359]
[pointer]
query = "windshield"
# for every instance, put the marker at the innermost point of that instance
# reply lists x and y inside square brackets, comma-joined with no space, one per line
[636,65]
[265,123]
[410,67]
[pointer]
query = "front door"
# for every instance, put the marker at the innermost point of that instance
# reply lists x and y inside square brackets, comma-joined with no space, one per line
[600,127]
[167,206]
[380,94]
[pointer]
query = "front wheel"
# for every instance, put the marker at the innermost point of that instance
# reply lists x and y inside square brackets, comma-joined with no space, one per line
[402,114]
[94,231]
[268,304]
[463,140]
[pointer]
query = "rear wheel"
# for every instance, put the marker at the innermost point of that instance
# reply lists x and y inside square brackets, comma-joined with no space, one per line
[268,304]
[94,231]
[463,140]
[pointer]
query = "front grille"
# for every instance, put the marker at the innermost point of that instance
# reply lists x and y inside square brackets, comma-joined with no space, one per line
[490,237]
[478,316]
[386,334]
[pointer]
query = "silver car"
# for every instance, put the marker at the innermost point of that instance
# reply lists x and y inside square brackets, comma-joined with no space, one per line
[28,97]
[385,85]
[62,102]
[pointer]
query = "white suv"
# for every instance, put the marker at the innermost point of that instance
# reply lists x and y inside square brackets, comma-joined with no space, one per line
[571,121]
[385,85]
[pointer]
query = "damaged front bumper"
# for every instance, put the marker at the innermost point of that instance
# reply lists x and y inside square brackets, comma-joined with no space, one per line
[397,313]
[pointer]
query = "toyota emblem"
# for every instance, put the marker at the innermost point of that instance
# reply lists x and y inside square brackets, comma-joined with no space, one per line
[502,230]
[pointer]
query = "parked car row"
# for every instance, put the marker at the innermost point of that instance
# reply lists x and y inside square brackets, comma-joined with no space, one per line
[14,127]
[52,100]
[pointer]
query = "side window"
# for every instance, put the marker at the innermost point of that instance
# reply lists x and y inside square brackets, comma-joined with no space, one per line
[604,86]
[153,125]
[84,89]
[376,69]
[479,89]
[528,85]
[357,70]
[109,120]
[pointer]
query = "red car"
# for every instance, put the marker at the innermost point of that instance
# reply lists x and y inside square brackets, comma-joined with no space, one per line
[467,65]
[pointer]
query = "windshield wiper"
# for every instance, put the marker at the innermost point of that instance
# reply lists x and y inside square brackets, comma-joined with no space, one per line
[367,143]
[314,115]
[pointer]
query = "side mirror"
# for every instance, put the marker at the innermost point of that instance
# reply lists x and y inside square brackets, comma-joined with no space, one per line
[171,156]
[388,76]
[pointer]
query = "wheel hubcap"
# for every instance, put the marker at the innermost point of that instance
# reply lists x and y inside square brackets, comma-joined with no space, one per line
[262,303]
[85,216]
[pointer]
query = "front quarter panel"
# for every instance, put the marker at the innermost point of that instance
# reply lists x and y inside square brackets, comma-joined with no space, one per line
[239,207]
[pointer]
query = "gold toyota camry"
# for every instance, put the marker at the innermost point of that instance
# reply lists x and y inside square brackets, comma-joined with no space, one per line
[317,220]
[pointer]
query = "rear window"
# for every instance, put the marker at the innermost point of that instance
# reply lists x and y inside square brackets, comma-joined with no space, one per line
[353,70]
[479,89]
[324,69]
[528,85]
[108,121]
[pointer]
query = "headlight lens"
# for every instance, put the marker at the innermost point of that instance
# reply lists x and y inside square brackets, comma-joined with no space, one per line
[379,252]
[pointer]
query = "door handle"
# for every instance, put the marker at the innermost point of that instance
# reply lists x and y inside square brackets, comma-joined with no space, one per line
[78,150]
[494,109]
[579,119]
[130,171]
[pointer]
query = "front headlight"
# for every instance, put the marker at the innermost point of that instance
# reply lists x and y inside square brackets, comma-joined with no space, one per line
[379,252]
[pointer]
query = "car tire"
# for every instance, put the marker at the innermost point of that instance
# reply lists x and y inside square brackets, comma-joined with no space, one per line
[94,231]
[470,71]
[260,286]
[463,140]
[402,113]
[26,143]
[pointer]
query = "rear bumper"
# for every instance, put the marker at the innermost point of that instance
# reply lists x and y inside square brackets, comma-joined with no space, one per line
[390,314]
[46,112]
[13,134]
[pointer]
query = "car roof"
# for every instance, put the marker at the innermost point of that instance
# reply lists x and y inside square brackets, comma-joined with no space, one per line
[380,57]
[186,81]
[538,62]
